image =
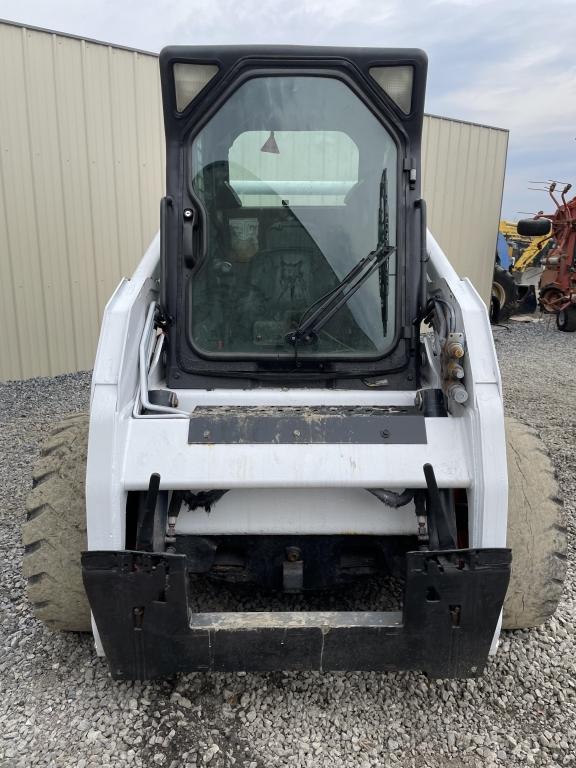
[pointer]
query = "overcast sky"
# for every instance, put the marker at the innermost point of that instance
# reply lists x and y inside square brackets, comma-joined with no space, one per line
[509,63]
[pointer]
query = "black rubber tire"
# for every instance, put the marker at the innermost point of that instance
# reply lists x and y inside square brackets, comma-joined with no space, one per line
[505,293]
[535,531]
[527,301]
[566,320]
[54,533]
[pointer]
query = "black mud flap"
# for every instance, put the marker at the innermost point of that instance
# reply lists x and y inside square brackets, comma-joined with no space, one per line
[452,601]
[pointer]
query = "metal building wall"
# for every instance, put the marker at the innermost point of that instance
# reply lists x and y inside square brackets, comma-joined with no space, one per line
[463,167]
[81,176]
[81,159]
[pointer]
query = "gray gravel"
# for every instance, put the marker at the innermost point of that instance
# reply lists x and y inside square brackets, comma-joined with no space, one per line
[58,707]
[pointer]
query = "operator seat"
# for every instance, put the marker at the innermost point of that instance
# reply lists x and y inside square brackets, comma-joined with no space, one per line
[286,270]
[286,277]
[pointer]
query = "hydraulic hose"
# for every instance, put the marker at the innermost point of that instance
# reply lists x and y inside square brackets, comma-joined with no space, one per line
[391,498]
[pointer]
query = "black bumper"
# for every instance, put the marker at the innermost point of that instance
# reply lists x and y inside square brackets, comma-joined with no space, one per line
[452,601]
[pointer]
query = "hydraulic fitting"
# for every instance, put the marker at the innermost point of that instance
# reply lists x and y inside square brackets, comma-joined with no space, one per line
[455,370]
[454,347]
[457,392]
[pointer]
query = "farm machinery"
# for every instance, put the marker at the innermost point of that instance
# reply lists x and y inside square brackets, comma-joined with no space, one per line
[267,414]
[558,279]
[517,270]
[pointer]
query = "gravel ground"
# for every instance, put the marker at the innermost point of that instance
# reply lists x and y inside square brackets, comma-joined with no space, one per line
[58,706]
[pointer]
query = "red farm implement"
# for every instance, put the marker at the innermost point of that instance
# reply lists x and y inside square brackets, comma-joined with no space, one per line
[558,281]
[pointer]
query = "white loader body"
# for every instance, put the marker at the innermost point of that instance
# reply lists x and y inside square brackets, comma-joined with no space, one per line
[279,488]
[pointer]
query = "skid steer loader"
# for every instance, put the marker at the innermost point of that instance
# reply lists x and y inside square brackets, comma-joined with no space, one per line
[266,411]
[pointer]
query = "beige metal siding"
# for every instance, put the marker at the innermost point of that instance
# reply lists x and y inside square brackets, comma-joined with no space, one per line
[81,176]
[81,172]
[463,176]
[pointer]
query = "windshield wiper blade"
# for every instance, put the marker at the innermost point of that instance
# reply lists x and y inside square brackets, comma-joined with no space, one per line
[307,329]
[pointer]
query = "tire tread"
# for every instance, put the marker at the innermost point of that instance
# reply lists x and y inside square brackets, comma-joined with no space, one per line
[54,533]
[536,533]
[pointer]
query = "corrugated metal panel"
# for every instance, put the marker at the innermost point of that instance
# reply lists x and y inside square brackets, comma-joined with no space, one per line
[462,177]
[81,176]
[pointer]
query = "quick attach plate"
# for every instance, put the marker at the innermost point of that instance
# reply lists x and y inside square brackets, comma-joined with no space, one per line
[289,425]
[452,601]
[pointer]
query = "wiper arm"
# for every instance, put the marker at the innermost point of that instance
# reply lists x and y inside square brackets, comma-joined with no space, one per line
[307,329]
